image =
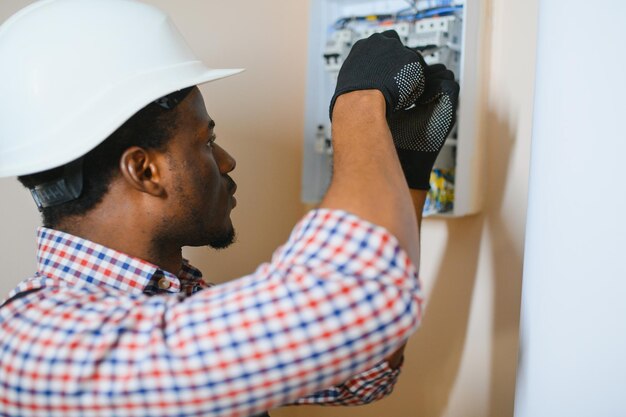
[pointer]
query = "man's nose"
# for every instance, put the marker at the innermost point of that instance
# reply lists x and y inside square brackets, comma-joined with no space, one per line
[225,161]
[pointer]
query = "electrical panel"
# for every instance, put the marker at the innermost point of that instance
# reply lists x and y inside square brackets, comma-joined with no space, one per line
[443,31]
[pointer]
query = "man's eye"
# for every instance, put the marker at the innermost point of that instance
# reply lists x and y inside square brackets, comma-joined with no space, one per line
[211,141]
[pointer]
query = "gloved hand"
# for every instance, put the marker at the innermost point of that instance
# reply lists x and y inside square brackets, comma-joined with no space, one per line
[419,132]
[383,63]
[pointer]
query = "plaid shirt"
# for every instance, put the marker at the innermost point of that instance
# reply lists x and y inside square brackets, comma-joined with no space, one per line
[98,333]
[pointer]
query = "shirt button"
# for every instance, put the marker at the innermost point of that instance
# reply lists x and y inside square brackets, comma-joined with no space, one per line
[164,284]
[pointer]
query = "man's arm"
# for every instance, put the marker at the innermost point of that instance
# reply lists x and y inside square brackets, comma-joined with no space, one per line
[368,182]
[367,178]
[418,197]
[418,135]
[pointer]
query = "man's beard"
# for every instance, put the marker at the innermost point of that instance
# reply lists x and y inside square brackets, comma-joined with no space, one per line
[190,234]
[222,240]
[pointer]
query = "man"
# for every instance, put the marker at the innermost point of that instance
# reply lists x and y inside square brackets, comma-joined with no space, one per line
[115,321]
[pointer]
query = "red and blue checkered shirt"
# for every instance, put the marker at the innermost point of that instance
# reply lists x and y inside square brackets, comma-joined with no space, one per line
[98,333]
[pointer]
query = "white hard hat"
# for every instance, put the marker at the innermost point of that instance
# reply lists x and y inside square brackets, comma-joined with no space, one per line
[73,71]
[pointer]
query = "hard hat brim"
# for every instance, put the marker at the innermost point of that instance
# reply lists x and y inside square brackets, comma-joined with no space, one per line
[96,119]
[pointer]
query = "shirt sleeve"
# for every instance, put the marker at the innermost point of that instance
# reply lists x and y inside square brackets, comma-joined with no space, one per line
[364,388]
[335,300]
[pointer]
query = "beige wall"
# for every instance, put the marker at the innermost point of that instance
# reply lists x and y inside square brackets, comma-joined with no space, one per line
[462,361]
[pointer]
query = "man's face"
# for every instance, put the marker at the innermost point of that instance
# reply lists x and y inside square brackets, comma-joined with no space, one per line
[200,195]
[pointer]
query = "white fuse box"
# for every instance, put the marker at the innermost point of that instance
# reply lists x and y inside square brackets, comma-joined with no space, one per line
[444,31]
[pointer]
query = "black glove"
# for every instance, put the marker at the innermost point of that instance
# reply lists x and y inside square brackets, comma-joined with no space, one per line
[419,132]
[381,62]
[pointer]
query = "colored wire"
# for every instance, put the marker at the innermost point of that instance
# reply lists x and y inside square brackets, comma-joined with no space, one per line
[400,15]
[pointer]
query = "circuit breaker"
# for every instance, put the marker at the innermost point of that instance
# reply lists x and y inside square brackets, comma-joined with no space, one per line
[443,31]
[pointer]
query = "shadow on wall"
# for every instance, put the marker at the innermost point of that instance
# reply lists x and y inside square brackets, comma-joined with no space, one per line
[438,346]
[507,269]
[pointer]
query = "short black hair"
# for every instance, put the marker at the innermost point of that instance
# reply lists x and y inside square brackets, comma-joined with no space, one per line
[149,128]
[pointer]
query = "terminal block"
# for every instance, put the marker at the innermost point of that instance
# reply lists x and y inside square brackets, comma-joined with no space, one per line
[437,38]
[337,48]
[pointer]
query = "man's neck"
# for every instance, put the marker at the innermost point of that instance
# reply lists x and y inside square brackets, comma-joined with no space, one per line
[125,234]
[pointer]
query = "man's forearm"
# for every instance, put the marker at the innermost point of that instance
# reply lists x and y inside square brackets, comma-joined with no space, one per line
[367,178]
[419,198]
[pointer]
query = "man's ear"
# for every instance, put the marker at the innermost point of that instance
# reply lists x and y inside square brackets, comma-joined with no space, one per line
[141,171]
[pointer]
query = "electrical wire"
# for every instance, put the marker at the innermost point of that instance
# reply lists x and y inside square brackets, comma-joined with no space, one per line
[438,11]
[400,15]
[430,4]
[412,4]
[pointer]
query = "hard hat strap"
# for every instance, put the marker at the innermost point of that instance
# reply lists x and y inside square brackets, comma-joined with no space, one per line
[70,186]
[171,100]
[63,190]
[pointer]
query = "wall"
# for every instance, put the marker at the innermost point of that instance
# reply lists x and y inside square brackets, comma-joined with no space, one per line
[462,361]
[573,305]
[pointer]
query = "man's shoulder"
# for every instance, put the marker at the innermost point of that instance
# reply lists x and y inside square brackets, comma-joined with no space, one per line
[40,287]
[27,286]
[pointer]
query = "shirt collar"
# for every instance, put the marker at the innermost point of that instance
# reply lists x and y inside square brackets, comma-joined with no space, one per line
[79,261]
